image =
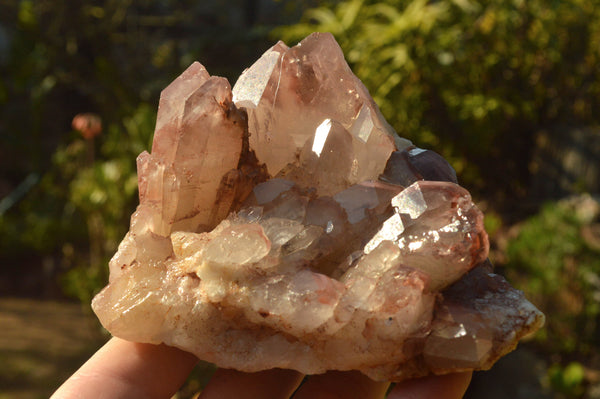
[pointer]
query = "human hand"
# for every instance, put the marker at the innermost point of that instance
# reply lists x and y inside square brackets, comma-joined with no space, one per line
[123,369]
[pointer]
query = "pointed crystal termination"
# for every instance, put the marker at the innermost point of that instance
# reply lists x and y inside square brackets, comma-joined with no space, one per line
[309,103]
[198,140]
[438,230]
[298,233]
[468,330]
[476,321]
[170,107]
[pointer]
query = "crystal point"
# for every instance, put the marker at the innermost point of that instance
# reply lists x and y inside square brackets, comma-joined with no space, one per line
[284,224]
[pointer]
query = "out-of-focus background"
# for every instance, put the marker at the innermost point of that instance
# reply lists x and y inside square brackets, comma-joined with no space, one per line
[507,90]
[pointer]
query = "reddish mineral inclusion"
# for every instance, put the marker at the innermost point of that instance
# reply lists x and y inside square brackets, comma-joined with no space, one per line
[284,224]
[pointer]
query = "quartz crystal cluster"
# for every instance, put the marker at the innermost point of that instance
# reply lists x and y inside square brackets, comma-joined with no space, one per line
[282,223]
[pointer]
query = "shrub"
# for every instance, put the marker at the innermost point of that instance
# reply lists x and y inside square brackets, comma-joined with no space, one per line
[555,259]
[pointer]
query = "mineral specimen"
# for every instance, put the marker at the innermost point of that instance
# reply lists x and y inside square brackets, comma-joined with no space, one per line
[284,224]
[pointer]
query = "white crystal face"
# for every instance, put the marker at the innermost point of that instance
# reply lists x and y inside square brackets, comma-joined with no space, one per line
[251,85]
[285,225]
[320,138]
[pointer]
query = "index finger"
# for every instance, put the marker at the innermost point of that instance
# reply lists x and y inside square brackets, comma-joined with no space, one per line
[123,369]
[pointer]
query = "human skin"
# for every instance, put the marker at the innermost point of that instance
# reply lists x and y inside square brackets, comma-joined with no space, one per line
[123,369]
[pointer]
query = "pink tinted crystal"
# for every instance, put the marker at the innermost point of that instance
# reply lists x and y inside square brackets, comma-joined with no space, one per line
[285,225]
[312,104]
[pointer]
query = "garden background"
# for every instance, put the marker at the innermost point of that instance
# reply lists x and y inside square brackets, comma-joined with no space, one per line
[507,90]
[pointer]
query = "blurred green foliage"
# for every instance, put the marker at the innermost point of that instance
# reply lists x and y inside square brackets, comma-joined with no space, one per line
[557,263]
[555,259]
[83,203]
[568,380]
[58,59]
[472,79]
[104,192]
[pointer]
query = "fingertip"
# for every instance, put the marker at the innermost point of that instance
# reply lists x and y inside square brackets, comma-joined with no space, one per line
[341,385]
[272,384]
[449,386]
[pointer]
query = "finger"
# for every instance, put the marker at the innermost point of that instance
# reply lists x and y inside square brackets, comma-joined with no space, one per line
[123,369]
[269,384]
[343,385]
[450,386]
